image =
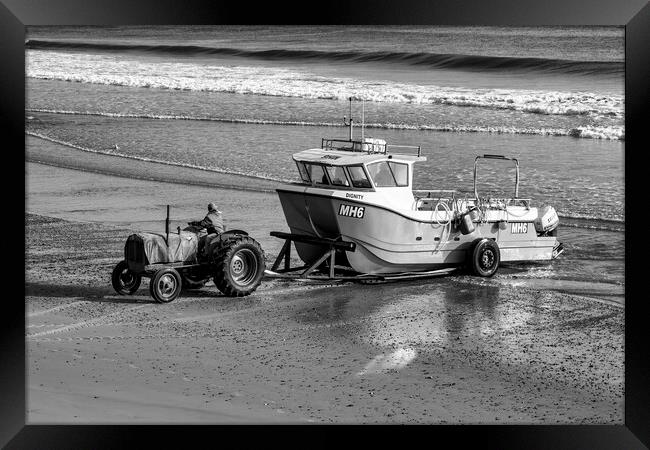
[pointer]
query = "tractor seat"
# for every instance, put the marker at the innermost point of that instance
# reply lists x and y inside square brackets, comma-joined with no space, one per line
[205,240]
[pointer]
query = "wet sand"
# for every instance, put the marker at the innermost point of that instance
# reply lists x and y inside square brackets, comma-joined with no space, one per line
[448,350]
[443,351]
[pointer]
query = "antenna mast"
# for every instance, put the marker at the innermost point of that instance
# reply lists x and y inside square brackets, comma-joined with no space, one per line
[363,117]
[350,122]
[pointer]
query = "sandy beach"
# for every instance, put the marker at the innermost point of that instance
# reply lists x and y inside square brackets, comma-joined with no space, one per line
[456,349]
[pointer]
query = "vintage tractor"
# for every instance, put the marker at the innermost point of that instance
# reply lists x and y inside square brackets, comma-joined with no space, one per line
[188,259]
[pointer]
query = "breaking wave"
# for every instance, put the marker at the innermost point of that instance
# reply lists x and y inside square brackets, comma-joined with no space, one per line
[591,132]
[425,59]
[280,82]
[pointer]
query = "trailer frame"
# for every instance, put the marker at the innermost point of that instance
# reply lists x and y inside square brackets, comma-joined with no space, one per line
[317,272]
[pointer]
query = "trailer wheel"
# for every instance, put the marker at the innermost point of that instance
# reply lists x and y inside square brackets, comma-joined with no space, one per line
[165,285]
[485,258]
[124,280]
[239,266]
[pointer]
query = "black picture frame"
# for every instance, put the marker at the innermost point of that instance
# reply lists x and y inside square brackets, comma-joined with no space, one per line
[634,15]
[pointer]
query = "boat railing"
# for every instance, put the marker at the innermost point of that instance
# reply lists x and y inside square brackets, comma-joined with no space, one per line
[433,199]
[503,203]
[363,146]
[497,157]
[409,147]
[434,193]
[430,199]
[347,145]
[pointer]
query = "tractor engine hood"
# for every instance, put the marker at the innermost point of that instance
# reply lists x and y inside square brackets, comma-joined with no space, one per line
[150,248]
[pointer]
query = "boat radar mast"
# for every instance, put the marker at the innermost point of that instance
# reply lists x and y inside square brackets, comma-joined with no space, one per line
[369,145]
[349,124]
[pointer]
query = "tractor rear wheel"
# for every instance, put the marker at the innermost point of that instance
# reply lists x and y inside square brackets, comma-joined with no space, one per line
[239,266]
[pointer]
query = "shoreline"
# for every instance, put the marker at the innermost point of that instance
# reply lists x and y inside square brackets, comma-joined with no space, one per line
[48,152]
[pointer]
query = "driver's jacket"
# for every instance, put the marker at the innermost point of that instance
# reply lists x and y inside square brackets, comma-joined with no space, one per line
[212,220]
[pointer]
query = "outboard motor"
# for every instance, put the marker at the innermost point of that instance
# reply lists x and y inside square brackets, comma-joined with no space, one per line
[547,220]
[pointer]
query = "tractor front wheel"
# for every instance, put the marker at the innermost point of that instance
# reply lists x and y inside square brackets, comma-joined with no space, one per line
[124,280]
[165,285]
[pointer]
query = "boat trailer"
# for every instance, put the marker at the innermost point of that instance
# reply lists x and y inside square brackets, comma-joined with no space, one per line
[325,269]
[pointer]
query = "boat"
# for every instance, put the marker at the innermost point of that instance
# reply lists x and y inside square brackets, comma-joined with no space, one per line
[360,193]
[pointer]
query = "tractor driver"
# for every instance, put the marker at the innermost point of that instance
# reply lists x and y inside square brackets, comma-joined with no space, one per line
[212,222]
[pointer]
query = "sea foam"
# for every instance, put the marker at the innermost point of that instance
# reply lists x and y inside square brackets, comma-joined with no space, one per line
[281,82]
[591,132]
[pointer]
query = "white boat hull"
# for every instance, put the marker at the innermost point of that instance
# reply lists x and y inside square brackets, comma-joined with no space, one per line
[392,240]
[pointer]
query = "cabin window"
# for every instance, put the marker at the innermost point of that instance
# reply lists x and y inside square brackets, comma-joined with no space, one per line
[317,174]
[381,174]
[358,177]
[400,172]
[303,172]
[337,175]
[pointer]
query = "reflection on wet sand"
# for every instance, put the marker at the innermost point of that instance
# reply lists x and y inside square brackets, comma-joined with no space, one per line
[391,361]
[539,345]
[397,315]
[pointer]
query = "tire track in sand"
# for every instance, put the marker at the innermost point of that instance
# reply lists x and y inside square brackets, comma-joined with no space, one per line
[84,323]
[56,308]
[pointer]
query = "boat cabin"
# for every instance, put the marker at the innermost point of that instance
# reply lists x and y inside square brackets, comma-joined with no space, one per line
[359,166]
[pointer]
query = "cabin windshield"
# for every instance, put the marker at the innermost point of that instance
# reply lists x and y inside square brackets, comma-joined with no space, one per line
[358,177]
[303,172]
[388,173]
[345,176]
[317,173]
[337,175]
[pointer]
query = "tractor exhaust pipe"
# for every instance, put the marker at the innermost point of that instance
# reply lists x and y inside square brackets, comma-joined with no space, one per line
[167,227]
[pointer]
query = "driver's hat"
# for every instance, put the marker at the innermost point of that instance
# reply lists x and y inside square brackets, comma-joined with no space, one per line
[213,207]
